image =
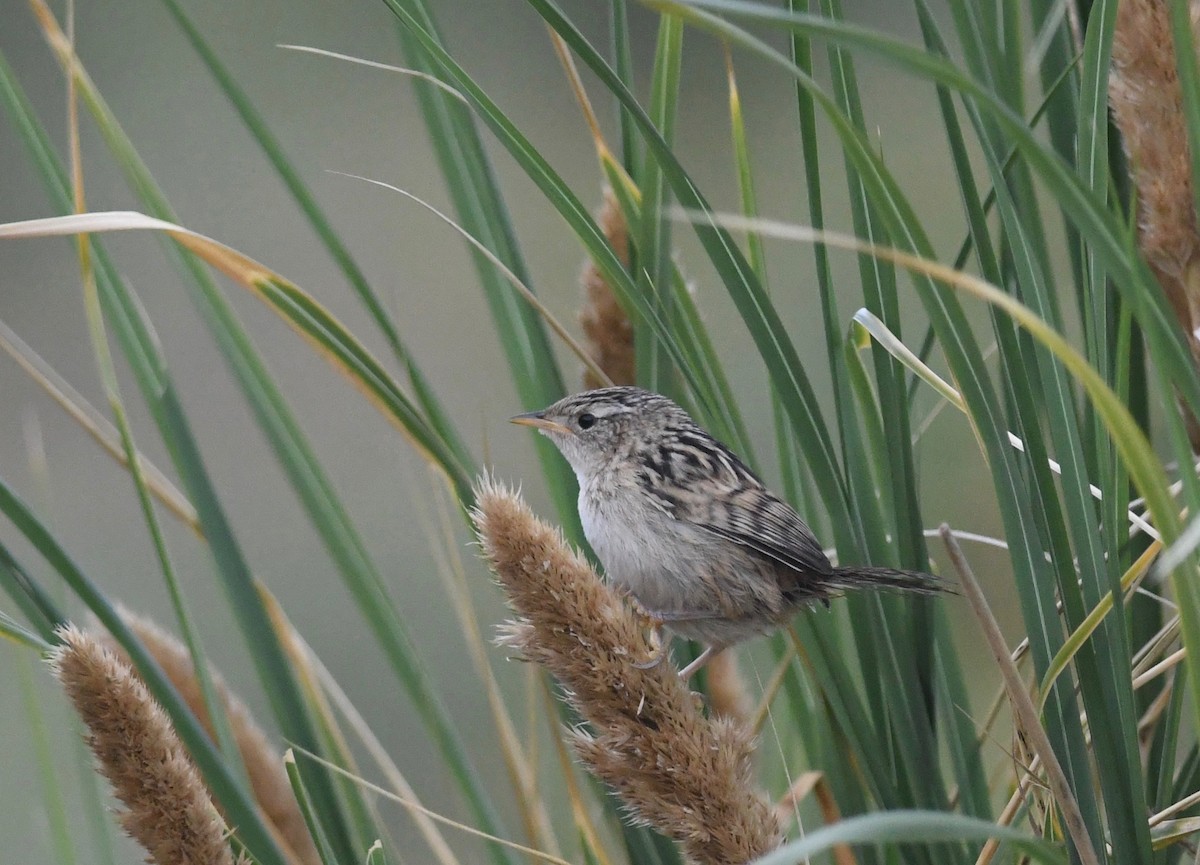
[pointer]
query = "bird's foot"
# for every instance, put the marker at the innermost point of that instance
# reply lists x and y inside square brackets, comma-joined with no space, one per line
[658,645]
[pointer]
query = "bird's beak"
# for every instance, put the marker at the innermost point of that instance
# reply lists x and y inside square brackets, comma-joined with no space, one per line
[538,420]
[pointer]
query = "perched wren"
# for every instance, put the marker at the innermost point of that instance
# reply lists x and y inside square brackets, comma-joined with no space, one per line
[686,528]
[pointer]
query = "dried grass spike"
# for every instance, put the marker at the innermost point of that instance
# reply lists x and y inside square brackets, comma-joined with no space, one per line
[1147,105]
[606,327]
[687,775]
[168,810]
[264,765]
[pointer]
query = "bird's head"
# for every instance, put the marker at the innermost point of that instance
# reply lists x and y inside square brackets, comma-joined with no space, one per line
[596,427]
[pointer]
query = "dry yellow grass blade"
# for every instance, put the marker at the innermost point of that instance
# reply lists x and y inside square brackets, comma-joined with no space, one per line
[242,269]
[610,164]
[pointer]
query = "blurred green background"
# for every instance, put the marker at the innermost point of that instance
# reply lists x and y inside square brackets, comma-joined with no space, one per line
[331,115]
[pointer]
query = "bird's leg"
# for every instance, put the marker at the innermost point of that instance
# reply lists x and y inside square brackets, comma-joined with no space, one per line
[703,658]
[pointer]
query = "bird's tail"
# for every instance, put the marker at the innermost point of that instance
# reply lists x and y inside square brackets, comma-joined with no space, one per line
[858,577]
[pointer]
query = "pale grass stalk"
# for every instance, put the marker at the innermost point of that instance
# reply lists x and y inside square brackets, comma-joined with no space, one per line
[687,775]
[166,806]
[1010,812]
[264,766]
[759,714]
[303,663]
[1023,709]
[95,424]
[610,165]
[1154,712]
[1186,802]
[1161,667]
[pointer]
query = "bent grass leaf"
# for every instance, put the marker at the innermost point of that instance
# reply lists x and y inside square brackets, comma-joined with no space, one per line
[307,317]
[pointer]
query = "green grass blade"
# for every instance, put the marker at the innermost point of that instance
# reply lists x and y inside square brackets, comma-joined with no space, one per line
[39,609]
[309,811]
[911,827]
[623,63]
[1091,216]
[652,247]
[16,633]
[786,444]
[54,803]
[770,336]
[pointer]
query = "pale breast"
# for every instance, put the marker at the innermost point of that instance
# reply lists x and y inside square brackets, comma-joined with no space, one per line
[652,555]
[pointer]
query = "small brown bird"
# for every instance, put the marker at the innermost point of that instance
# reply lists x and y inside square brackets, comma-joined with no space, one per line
[685,527]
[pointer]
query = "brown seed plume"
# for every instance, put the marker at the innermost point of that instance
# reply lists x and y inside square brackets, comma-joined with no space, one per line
[167,809]
[686,775]
[264,766]
[607,330]
[1147,105]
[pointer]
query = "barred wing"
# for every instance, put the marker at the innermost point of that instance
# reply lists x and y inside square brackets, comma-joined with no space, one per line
[698,480]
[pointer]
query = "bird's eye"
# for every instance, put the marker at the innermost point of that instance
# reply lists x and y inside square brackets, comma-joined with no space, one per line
[586,420]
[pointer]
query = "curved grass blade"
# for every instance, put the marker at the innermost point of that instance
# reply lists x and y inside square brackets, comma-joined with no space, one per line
[1088,626]
[297,308]
[911,827]
[532,299]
